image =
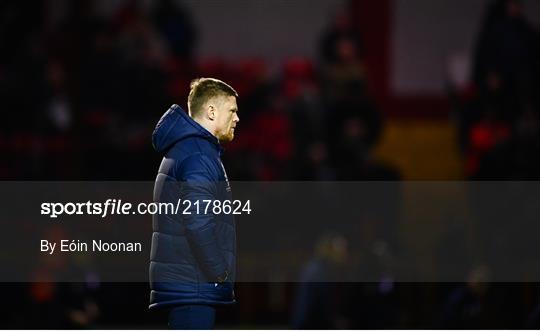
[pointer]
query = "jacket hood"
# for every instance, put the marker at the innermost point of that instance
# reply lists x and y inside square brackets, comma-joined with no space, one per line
[176,125]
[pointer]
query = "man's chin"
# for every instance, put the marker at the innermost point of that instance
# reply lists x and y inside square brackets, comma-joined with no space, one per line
[226,139]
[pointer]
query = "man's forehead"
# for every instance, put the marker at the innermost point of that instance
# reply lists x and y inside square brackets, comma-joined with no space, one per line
[230,101]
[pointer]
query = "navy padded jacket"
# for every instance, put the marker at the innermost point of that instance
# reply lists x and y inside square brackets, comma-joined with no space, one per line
[189,252]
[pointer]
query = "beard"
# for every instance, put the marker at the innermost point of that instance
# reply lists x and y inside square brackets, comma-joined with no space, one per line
[226,137]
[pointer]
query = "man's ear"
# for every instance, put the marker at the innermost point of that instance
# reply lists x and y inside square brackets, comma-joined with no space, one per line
[211,112]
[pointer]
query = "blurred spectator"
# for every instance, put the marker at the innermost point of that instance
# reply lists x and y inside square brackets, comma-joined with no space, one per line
[341,29]
[510,46]
[176,25]
[470,306]
[343,77]
[305,106]
[500,123]
[353,122]
[373,303]
[62,303]
[320,302]
[342,61]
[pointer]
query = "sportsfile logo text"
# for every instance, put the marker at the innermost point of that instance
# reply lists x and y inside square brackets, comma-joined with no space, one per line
[109,207]
[118,207]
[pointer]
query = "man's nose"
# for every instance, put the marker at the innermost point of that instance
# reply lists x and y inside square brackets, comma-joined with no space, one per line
[236,118]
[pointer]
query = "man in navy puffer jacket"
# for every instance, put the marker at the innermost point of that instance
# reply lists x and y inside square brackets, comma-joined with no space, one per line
[192,263]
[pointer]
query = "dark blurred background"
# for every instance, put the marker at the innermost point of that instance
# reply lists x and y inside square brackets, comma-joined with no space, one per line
[329,90]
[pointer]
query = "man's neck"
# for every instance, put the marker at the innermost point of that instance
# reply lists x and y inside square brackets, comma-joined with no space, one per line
[205,125]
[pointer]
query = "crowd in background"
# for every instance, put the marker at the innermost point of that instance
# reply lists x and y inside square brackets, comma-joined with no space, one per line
[82,93]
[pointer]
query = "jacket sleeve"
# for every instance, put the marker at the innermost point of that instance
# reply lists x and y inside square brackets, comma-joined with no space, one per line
[199,182]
